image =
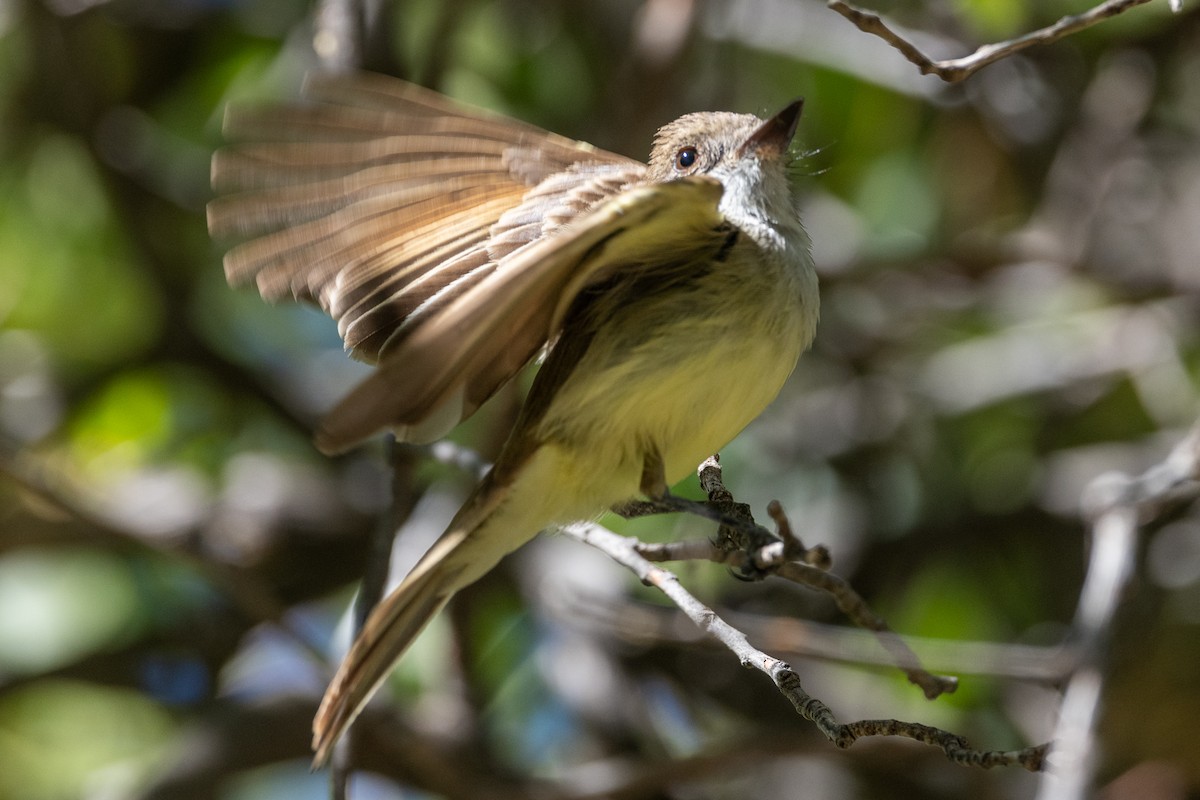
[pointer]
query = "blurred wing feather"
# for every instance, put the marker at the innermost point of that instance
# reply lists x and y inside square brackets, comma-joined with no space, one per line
[380,195]
[451,361]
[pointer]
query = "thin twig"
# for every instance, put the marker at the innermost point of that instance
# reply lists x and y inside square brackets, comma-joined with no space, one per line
[848,601]
[644,624]
[405,493]
[1116,505]
[753,552]
[954,70]
[624,551]
[767,551]
[852,604]
[737,533]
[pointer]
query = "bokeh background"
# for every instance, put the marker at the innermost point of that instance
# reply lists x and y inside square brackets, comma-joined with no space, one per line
[1010,274]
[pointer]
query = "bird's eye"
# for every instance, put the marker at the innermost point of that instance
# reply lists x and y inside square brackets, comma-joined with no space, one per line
[685,158]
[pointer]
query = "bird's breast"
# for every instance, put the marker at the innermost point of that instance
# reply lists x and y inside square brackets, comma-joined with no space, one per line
[683,371]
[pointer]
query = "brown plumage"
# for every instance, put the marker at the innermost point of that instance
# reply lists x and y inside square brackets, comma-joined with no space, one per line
[385,204]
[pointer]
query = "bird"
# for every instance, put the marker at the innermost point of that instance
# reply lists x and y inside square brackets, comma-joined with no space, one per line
[669,299]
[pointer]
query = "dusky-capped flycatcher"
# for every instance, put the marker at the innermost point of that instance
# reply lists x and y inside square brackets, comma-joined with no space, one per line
[452,245]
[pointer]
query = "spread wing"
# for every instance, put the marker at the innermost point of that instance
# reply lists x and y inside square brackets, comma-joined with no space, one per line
[496,325]
[379,194]
[447,243]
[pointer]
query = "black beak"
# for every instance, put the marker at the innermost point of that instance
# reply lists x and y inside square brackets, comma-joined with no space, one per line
[774,135]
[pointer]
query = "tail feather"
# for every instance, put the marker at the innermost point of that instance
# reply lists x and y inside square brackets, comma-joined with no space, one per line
[387,634]
[474,543]
[507,509]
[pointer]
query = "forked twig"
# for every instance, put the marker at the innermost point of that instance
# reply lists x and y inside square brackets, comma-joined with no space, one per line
[1116,506]
[953,70]
[625,551]
[752,551]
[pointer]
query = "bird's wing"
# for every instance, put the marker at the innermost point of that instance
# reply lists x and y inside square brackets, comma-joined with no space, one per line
[379,194]
[446,242]
[449,362]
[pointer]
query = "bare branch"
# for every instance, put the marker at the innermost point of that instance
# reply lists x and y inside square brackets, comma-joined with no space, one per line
[852,604]
[645,624]
[406,491]
[1115,504]
[849,602]
[748,536]
[738,532]
[624,550]
[752,551]
[956,69]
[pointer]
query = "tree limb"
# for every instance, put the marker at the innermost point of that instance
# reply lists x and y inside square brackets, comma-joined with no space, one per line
[624,550]
[1116,506]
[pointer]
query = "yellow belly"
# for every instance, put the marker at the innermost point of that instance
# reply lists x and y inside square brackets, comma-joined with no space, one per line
[683,395]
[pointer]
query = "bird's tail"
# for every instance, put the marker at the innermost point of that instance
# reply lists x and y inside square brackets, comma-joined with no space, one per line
[467,550]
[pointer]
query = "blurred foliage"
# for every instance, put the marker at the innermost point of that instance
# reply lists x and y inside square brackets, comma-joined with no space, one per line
[1009,308]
